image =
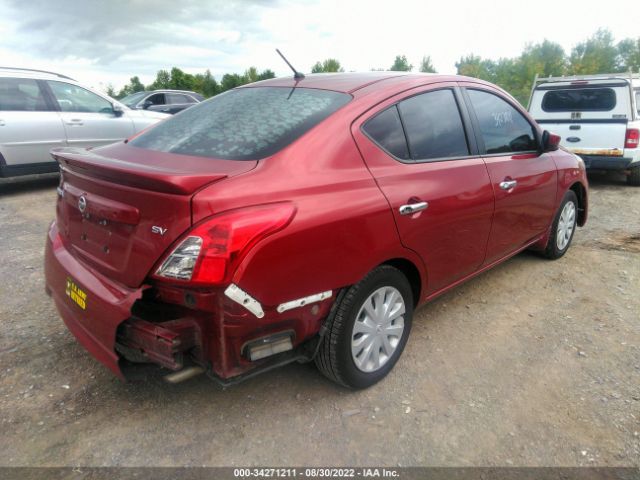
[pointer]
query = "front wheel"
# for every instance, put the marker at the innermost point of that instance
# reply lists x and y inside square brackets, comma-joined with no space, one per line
[563,228]
[368,330]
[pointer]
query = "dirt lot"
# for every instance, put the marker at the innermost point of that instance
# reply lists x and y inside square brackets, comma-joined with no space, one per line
[532,363]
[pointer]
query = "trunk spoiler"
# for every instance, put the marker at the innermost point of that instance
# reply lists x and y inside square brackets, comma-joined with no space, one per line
[145,169]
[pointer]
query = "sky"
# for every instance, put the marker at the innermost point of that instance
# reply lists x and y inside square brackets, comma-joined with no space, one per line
[101,42]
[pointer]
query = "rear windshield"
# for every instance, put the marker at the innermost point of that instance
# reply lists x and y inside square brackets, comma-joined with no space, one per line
[579,100]
[244,124]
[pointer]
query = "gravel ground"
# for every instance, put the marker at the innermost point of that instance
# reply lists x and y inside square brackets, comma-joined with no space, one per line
[534,363]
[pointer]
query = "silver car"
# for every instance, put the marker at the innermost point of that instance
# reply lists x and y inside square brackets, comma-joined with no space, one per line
[42,110]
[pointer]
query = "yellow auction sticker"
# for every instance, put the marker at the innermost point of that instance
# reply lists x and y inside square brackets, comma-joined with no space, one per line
[75,293]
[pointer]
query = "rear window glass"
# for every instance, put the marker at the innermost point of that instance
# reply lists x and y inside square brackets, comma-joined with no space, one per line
[579,100]
[244,124]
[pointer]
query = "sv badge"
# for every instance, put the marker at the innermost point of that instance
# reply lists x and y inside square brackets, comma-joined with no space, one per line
[158,230]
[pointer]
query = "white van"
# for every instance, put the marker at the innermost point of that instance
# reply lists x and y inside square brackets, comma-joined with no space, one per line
[597,117]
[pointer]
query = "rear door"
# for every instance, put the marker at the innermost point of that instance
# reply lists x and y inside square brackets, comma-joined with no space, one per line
[178,102]
[89,120]
[417,148]
[29,125]
[524,181]
[590,116]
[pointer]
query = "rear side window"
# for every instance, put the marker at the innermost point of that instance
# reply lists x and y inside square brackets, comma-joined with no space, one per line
[579,100]
[503,128]
[21,95]
[433,125]
[244,124]
[386,130]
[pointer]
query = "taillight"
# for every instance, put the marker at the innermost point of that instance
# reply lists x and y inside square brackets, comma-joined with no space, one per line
[212,249]
[632,139]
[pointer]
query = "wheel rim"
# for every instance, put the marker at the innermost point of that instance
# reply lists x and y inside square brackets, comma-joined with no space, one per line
[378,329]
[566,224]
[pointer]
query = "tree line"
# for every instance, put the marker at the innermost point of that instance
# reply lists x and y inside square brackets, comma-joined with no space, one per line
[597,54]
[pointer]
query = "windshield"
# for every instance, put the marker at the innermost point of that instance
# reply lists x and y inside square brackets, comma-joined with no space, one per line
[133,99]
[244,124]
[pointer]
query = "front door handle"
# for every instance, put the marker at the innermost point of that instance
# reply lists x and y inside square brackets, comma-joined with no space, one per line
[75,121]
[508,184]
[413,208]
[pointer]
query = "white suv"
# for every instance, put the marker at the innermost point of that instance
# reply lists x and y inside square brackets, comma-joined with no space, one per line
[597,117]
[42,110]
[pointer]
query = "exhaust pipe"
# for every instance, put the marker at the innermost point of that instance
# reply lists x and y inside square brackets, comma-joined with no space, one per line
[184,374]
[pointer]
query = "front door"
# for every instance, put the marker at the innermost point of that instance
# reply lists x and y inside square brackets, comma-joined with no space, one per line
[524,180]
[89,120]
[426,165]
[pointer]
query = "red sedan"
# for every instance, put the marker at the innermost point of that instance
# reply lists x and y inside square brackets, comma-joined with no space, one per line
[301,219]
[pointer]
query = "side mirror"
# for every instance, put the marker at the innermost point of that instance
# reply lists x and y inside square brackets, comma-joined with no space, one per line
[147,104]
[550,141]
[117,110]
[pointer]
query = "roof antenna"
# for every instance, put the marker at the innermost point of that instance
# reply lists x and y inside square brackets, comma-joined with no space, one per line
[296,74]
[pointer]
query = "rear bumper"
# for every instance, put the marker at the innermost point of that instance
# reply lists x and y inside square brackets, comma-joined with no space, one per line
[107,304]
[598,162]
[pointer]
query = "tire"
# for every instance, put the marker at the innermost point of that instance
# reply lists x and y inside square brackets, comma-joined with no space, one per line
[337,358]
[561,231]
[634,177]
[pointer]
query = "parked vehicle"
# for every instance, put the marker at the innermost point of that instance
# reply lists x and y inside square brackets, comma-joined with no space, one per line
[165,101]
[300,219]
[40,110]
[596,116]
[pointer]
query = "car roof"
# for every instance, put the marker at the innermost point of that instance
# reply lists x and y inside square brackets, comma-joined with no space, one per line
[350,82]
[32,73]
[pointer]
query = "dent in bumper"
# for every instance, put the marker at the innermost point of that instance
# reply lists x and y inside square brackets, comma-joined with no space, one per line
[108,303]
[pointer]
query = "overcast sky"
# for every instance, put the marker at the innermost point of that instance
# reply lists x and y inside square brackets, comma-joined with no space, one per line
[108,41]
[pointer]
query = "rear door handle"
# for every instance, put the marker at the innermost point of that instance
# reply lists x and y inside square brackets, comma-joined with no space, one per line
[413,208]
[75,121]
[508,184]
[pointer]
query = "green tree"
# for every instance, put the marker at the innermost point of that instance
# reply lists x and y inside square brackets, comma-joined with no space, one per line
[598,54]
[162,81]
[327,66]
[134,85]
[266,74]
[426,66]
[474,66]
[229,81]
[208,85]
[250,75]
[401,64]
[111,91]
[629,54]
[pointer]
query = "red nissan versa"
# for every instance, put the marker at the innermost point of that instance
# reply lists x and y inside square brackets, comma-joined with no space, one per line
[301,219]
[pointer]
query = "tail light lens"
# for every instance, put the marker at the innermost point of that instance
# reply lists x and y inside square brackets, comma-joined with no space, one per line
[632,139]
[212,250]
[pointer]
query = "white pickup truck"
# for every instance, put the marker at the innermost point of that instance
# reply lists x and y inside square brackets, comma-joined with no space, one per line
[597,117]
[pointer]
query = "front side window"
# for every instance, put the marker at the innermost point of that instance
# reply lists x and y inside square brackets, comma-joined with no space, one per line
[386,130]
[21,95]
[245,124]
[157,99]
[579,100]
[503,128]
[433,125]
[73,98]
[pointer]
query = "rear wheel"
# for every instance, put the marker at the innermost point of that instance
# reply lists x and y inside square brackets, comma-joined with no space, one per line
[564,226]
[368,330]
[634,177]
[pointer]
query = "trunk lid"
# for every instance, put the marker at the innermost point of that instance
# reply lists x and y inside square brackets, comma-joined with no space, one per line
[120,208]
